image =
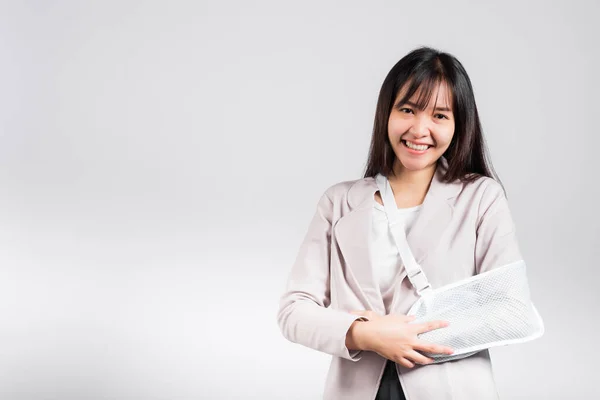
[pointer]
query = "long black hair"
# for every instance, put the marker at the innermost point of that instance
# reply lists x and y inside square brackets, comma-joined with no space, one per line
[425,68]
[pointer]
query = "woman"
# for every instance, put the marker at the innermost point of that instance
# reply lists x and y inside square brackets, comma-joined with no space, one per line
[347,293]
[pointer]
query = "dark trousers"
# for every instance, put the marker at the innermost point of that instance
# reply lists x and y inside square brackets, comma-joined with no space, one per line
[389,388]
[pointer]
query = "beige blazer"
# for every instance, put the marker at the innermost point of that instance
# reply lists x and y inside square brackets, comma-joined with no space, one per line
[462,229]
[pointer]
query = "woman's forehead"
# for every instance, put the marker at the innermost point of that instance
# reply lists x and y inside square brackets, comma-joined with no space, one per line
[439,95]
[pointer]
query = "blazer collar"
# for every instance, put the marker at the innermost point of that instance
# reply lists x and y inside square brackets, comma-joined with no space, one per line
[361,194]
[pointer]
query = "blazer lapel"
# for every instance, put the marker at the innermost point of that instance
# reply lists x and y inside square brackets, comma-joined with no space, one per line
[430,224]
[434,216]
[353,234]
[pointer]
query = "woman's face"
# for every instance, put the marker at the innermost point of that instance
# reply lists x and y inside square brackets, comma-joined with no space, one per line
[420,137]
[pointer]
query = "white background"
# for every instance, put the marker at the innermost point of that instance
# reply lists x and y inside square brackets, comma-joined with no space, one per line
[160,163]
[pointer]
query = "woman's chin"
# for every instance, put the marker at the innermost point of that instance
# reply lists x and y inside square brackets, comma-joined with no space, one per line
[416,165]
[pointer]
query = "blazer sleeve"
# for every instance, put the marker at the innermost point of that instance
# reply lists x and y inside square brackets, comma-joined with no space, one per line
[496,243]
[304,316]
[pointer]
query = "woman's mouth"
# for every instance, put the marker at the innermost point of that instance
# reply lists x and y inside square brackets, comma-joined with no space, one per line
[417,148]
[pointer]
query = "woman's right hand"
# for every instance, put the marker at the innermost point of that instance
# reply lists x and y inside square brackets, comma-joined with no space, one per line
[395,338]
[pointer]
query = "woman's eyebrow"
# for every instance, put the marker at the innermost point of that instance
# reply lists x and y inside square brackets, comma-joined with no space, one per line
[410,103]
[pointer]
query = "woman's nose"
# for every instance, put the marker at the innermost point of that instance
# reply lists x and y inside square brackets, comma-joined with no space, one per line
[420,128]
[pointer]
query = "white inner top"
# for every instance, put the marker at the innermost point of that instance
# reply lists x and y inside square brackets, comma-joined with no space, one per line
[386,260]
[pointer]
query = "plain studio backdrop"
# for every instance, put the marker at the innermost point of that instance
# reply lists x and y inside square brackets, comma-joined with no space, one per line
[160,163]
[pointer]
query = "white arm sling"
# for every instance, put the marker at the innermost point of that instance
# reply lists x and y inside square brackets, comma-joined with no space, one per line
[486,310]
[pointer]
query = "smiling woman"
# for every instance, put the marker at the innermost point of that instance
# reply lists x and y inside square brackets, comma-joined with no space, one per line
[421,133]
[349,293]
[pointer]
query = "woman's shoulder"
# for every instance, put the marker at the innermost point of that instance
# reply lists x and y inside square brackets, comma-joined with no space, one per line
[483,191]
[354,188]
[343,187]
[483,186]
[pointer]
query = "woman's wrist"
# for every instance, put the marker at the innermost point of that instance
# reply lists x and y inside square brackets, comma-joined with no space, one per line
[357,335]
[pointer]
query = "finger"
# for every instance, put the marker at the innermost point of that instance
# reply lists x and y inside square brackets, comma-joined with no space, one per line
[418,357]
[431,348]
[430,326]
[404,362]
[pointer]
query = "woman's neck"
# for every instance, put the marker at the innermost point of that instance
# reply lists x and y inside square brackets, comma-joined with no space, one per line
[410,187]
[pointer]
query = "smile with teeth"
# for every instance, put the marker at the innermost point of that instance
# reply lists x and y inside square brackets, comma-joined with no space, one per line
[418,147]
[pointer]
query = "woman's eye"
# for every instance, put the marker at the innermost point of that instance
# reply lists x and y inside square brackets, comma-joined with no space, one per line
[406,110]
[441,116]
